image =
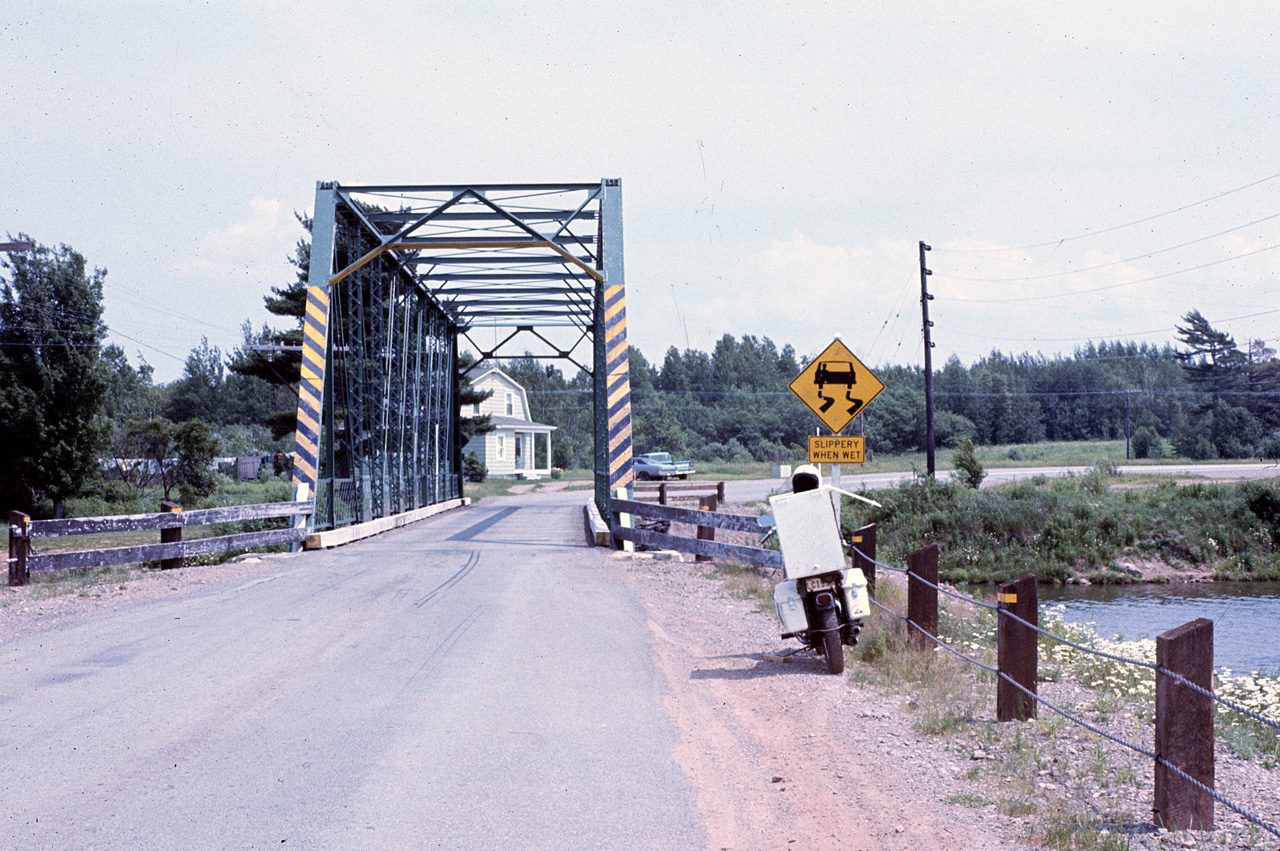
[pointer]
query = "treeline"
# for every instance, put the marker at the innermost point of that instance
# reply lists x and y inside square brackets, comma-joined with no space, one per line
[67,400]
[1205,398]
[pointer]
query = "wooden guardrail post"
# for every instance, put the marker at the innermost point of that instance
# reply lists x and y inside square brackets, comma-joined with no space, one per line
[720,491]
[1017,648]
[19,547]
[1184,726]
[662,493]
[864,554]
[706,533]
[922,600]
[170,535]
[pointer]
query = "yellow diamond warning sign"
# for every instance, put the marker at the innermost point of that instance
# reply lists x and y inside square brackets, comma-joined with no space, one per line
[837,449]
[836,386]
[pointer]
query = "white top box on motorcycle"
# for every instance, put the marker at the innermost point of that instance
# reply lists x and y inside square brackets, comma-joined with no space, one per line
[808,532]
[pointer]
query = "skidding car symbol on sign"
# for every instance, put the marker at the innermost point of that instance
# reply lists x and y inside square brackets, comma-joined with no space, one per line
[836,386]
[837,372]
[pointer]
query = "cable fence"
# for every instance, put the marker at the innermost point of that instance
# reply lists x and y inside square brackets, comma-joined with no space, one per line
[1172,726]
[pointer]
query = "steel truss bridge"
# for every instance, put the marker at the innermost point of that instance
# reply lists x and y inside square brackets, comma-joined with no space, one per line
[398,275]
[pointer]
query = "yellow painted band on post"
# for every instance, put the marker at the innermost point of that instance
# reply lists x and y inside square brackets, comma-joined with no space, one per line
[305,468]
[613,311]
[619,417]
[618,351]
[624,390]
[314,364]
[857,539]
[1001,597]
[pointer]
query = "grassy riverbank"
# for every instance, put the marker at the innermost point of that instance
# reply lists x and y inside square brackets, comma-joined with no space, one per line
[1096,526]
[1072,788]
[1067,786]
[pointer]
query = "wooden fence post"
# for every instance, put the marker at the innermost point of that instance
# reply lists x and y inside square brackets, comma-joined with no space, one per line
[706,533]
[1017,648]
[720,491]
[662,493]
[19,547]
[1184,726]
[922,601]
[864,553]
[170,536]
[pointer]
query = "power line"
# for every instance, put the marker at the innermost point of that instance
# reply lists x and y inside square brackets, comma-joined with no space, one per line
[1075,293]
[1087,234]
[1116,262]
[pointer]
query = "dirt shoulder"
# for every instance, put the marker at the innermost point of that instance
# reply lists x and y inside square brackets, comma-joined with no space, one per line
[43,605]
[782,754]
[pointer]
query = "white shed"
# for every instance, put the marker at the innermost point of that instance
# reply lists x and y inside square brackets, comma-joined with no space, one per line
[517,446]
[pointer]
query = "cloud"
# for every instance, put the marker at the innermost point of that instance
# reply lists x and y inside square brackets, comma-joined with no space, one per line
[259,243]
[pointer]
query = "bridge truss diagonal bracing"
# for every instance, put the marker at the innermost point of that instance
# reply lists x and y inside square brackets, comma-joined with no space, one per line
[400,277]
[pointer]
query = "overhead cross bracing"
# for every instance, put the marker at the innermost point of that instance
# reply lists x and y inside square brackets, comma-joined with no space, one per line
[495,256]
[539,264]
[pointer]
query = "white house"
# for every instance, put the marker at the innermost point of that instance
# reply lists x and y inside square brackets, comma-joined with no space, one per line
[517,446]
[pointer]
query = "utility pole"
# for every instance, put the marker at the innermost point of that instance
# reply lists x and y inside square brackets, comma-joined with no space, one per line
[925,298]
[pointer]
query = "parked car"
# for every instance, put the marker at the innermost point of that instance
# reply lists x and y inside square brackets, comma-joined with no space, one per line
[658,465]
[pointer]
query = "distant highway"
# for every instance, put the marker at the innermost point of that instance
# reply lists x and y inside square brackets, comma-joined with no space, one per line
[757,489]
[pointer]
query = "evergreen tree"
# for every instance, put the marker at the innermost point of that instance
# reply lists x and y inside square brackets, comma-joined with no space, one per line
[198,394]
[275,355]
[53,380]
[1213,363]
[470,425]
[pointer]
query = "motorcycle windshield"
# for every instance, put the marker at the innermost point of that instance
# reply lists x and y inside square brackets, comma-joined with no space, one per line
[808,533]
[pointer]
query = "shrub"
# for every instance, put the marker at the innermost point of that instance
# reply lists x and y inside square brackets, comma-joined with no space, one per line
[473,468]
[1145,442]
[968,471]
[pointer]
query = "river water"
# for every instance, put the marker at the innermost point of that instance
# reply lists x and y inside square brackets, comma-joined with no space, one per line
[1245,615]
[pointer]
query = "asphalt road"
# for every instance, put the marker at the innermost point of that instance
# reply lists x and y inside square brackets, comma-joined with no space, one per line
[478,680]
[757,489]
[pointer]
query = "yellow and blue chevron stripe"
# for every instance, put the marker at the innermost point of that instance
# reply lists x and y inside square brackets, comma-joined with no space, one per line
[618,386]
[315,329]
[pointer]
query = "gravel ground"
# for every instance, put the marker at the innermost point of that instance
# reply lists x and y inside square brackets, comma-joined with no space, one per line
[44,605]
[856,773]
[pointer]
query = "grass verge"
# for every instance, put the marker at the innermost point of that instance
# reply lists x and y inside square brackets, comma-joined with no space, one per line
[1071,788]
[1080,527]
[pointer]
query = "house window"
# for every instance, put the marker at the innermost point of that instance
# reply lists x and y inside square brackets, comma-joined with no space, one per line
[475,409]
[502,447]
[511,408]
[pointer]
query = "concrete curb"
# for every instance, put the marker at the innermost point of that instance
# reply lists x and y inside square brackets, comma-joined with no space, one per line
[348,534]
[596,530]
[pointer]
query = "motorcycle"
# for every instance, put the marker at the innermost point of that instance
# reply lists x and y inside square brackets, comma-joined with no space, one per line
[821,599]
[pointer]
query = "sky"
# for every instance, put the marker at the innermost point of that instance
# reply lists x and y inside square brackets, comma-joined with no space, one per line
[1083,171]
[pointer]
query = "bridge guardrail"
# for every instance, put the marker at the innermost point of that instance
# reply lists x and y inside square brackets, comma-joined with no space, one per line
[23,561]
[704,545]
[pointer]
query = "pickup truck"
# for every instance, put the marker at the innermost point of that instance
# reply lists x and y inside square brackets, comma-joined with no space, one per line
[658,465]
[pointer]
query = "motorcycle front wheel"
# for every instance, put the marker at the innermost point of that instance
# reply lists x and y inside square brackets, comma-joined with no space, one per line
[829,623]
